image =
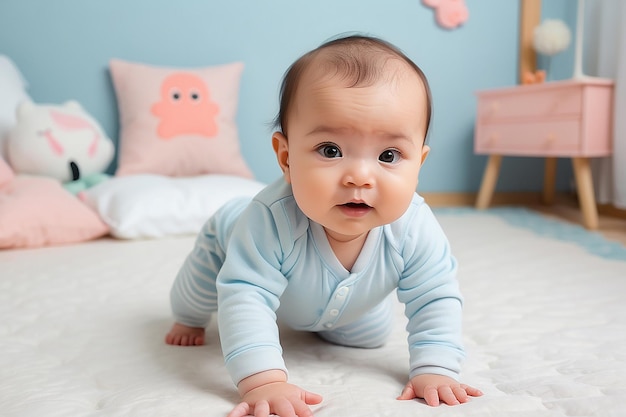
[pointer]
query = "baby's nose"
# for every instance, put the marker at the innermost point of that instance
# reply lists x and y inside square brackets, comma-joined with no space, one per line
[359,173]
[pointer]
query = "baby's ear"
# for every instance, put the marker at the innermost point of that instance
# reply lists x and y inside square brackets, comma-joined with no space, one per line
[281,148]
[425,152]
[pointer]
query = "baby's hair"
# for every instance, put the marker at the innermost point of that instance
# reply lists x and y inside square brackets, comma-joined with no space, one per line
[358,59]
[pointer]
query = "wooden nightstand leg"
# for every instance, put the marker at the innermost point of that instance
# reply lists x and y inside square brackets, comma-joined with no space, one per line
[549,180]
[488,184]
[586,197]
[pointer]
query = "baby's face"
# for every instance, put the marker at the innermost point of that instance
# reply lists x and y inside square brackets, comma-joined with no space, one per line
[353,155]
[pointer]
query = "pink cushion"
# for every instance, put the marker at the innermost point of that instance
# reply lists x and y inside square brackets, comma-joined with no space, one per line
[178,122]
[38,211]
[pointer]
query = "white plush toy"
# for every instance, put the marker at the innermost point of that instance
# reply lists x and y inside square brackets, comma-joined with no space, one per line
[59,141]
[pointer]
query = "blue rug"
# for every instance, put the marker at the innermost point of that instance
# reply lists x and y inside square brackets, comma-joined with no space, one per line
[593,242]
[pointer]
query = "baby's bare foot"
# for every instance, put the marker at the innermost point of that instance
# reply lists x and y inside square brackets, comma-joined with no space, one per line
[182,335]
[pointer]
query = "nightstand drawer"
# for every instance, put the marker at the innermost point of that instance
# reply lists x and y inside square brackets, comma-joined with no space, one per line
[526,102]
[529,139]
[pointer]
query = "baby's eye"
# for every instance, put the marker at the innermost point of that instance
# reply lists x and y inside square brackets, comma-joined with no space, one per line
[389,156]
[330,151]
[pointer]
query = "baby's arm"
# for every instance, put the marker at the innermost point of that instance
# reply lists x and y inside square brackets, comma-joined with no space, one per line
[430,292]
[438,388]
[249,285]
[269,392]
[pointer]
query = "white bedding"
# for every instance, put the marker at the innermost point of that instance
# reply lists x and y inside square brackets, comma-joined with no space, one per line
[82,331]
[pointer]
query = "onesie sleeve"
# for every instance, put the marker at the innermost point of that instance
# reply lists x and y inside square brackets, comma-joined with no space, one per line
[433,303]
[249,286]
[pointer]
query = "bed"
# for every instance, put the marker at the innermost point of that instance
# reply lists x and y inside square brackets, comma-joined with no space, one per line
[545,330]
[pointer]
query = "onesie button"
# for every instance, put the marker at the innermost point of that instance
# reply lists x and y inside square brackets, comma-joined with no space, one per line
[342,292]
[328,325]
[334,312]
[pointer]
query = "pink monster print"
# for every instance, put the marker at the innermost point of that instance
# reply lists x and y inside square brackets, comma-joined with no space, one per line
[185,107]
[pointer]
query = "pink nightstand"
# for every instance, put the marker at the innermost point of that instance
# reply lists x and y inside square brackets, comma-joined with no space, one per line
[570,119]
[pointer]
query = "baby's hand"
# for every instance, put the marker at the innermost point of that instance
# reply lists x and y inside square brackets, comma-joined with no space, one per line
[435,388]
[279,398]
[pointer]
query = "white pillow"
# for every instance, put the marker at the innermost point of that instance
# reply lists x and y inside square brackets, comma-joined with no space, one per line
[12,92]
[153,206]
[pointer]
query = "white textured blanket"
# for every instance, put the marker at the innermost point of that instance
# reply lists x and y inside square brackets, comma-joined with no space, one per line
[82,327]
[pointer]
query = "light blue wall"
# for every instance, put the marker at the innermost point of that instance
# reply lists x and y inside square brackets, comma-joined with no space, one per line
[63,48]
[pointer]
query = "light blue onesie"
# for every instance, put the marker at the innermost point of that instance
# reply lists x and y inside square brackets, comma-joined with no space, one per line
[264,259]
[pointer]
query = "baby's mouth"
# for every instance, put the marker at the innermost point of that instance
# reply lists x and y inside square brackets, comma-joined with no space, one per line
[355,209]
[356,205]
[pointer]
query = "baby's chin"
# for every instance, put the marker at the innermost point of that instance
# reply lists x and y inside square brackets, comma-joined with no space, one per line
[349,229]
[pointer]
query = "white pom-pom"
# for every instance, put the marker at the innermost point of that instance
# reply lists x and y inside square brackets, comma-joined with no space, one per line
[551,37]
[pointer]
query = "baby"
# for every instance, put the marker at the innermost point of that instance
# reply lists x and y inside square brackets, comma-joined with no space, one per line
[323,247]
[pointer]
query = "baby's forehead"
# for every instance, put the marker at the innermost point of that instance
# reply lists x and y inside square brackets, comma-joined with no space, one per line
[323,82]
[333,70]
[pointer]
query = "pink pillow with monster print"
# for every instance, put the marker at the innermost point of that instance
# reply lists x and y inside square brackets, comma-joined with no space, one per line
[178,122]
